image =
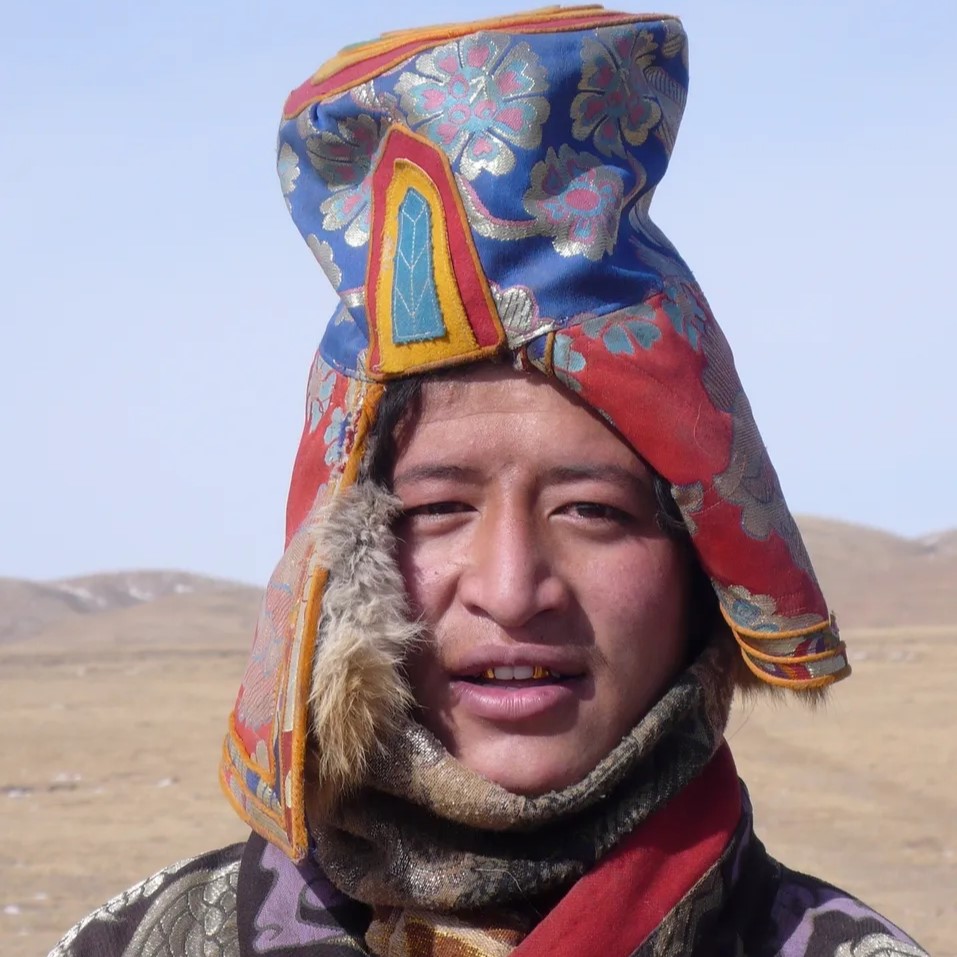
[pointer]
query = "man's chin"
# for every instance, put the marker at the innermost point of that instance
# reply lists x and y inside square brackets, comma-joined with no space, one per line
[528,766]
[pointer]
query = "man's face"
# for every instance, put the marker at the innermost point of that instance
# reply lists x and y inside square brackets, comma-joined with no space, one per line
[556,606]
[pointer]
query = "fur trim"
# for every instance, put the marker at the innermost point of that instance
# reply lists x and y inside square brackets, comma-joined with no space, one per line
[359,691]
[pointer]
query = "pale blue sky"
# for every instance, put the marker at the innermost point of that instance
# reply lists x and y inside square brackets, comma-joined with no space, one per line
[159,310]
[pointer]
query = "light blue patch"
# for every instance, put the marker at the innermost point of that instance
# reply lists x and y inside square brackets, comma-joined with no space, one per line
[416,314]
[622,331]
[567,361]
[617,342]
[646,333]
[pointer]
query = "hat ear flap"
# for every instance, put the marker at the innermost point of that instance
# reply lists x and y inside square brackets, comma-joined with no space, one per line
[359,691]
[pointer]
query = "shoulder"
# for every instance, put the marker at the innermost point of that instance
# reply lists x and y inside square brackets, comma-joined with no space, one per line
[811,918]
[187,908]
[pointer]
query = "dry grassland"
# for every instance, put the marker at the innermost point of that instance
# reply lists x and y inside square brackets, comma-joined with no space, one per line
[112,740]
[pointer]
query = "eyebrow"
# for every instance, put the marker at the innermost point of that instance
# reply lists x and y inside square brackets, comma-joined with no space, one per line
[566,474]
[558,475]
[448,473]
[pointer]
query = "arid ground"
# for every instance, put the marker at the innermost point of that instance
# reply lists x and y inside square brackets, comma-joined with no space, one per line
[114,696]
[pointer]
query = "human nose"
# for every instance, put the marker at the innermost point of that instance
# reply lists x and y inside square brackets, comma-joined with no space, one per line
[510,573]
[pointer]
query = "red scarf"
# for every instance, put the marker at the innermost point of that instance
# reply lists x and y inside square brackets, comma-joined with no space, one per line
[615,907]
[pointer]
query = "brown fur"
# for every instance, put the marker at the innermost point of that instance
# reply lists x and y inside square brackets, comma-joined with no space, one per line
[359,691]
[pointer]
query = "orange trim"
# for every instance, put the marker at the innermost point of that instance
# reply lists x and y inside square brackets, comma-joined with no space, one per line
[315,588]
[836,652]
[796,684]
[297,831]
[367,417]
[278,838]
[542,18]
[776,635]
[549,356]
[253,798]
[362,62]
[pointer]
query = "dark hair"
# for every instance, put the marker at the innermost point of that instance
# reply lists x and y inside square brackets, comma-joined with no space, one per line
[398,410]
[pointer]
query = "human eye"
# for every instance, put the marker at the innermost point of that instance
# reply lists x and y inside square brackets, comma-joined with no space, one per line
[435,517]
[598,512]
[435,509]
[428,520]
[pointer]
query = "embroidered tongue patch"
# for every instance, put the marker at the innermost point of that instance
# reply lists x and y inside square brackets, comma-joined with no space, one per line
[429,301]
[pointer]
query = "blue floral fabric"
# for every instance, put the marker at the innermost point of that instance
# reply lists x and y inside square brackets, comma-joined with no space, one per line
[557,141]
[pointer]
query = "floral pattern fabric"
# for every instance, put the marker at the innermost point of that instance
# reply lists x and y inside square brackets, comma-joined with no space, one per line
[477,99]
[577,201]
[616,105]
[344,160]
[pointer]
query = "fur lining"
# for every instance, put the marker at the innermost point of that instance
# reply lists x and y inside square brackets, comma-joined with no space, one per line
[359,691]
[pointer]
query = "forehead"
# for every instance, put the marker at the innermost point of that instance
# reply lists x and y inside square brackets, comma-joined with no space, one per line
[488,388]
[504,414]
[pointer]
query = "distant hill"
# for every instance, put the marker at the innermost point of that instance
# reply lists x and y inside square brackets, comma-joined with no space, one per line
[28,607]
[874,579]
[871,578]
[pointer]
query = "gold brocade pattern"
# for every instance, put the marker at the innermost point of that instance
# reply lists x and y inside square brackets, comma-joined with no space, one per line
[398,932]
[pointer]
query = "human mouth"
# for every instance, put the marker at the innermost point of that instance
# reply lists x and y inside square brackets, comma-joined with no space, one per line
[506,693]
[518,673]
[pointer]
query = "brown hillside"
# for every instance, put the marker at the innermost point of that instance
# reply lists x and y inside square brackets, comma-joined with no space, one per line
[28,607]
[218,619]
[873,579]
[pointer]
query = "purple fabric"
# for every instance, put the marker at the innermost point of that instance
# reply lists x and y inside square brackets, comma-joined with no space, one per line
[297,909]
[801,908]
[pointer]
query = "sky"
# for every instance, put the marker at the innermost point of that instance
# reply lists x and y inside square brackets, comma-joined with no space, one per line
[159,311]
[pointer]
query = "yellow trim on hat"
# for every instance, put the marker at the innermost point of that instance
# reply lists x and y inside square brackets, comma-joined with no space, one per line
[540,20]
[744,636]
[286,826]
[395,358]
[835,652]
[777,635]
[294,801]
[794,684]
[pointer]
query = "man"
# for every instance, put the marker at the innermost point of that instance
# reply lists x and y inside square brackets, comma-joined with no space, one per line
[534,544]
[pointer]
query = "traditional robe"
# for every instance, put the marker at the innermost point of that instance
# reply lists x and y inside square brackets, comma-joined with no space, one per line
[683,884]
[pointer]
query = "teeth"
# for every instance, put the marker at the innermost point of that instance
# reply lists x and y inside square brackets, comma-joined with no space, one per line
[516,673]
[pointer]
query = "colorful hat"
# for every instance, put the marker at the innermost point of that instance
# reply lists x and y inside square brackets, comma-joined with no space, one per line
[482,190]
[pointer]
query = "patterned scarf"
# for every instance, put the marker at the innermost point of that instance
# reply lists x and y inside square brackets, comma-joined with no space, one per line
[427,838]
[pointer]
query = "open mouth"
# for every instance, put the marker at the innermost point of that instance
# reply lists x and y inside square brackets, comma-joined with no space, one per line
[509,695]
[516,676]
